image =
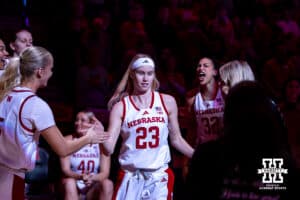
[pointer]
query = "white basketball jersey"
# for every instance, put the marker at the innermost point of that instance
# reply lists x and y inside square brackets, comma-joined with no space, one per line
[23,116]
[145,135]
[86,160]
[209,115]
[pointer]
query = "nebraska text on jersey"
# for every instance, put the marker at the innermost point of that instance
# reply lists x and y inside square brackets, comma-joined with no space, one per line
[84,155]
[209,111]
[145,120]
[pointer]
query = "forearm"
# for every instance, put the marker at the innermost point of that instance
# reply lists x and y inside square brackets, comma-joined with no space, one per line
[75,145]
[100,177]
[72,146]
[109,144]
[71,174]
[182,146]
[60,145]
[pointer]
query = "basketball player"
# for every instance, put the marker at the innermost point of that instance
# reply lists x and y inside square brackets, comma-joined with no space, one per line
[208,102]
[24,117]
[144,118]
[86,171]
[205,105]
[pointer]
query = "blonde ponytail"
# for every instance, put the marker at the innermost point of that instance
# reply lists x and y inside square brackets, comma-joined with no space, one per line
[120,90]
[11,77]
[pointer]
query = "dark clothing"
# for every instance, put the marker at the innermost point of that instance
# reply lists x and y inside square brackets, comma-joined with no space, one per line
[215,174]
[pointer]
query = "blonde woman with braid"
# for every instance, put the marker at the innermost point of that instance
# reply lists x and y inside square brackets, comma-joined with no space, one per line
[24,117]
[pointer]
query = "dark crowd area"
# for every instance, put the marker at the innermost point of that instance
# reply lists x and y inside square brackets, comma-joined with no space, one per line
[90,38]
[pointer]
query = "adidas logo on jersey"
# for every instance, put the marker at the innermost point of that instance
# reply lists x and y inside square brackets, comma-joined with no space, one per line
[145,113]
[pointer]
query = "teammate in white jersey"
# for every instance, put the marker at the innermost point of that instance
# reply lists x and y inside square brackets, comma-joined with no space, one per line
[230,73]
[144,118]
[86,171]
[24,117]
[205,105]
[208,103]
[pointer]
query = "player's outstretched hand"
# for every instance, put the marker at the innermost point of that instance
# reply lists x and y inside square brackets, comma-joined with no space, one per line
[96,131]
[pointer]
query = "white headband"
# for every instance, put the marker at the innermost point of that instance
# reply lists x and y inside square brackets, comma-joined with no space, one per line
[142,62]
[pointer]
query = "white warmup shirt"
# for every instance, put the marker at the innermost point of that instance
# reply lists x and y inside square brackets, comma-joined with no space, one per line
[23,115]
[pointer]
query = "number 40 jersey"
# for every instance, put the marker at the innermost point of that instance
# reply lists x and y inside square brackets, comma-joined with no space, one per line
[145,135]
[86,160]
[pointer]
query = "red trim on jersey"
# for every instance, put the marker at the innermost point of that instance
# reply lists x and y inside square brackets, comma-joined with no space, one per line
[20,112]
[124,109]
[163,103]
[120,178]
[171,179]
[18,188]
[14,90]
[151,103]
[152,100]
[132,102]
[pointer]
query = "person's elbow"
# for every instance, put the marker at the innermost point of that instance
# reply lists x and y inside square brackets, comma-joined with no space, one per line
[108,151]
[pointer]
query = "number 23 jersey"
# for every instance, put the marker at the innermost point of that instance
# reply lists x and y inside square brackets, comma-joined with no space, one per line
[145,135]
